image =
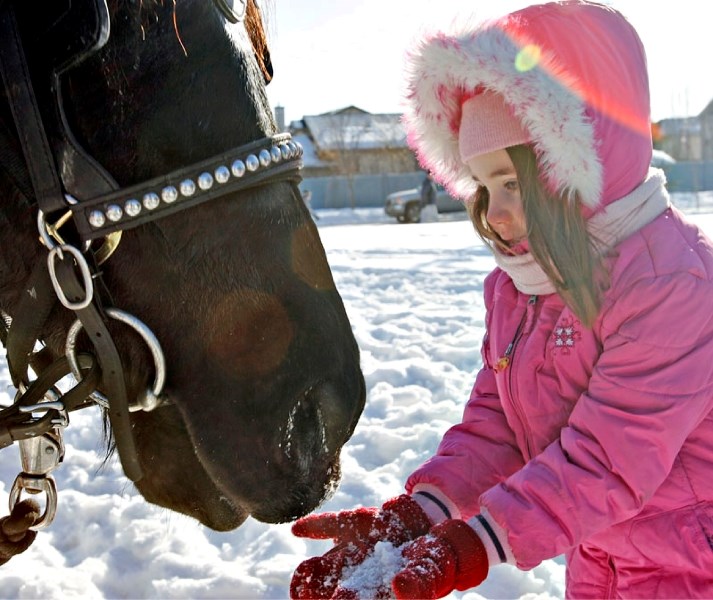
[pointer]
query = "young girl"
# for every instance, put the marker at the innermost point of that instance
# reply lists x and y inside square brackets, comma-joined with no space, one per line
[589,430]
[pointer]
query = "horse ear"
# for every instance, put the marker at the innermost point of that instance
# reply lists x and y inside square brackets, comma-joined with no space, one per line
[256,32]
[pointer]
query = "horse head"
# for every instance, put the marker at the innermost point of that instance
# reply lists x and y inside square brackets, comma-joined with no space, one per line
[262,383]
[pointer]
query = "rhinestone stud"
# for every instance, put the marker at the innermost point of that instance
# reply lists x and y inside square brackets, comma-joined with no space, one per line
[132,207]
[187,187]
[114,212]
[265,158]
[151,200]
[169,194]
[96,218]
[222,174]
[238,168]
[275,154]
[205,181]
[252,162]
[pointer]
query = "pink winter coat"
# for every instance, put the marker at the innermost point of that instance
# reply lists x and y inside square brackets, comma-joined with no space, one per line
[594,443]
[598,442]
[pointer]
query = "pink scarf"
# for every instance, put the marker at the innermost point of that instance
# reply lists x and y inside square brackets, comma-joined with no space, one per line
[608,227]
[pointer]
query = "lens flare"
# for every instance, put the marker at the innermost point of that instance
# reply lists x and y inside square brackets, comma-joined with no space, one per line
[527,58]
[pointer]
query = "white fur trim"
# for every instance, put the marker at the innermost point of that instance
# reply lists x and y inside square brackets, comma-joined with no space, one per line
[446,69]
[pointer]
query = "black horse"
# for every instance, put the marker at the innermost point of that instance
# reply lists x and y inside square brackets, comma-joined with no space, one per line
[262,384]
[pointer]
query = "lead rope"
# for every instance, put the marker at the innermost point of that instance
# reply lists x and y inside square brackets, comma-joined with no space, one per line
[36,421]
[16,534]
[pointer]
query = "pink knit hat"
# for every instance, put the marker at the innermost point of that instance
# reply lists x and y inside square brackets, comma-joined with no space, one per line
[487,124]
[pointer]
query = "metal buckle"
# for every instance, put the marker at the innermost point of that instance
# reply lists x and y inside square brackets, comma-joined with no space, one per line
[49,234]
[40,455]
[52,229]
[58,251]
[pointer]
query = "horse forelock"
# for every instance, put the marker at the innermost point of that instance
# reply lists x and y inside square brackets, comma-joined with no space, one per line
[256,31]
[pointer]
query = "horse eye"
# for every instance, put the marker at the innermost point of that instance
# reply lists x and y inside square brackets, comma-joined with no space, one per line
[233,10]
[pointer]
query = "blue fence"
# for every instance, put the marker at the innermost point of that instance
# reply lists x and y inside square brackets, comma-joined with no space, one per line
[690,176]
[366,190]
[363,191]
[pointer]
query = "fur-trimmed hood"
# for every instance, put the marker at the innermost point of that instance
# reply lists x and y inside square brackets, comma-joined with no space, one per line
[574,74]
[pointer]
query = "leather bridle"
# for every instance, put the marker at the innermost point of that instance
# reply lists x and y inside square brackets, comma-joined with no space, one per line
[99,208]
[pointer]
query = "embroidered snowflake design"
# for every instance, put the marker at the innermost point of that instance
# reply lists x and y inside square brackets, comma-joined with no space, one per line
[565,336]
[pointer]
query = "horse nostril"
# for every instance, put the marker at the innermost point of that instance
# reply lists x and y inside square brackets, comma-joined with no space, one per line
[318,425]
[303,435]
[335,412]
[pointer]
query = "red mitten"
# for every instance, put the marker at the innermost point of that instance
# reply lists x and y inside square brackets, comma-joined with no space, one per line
[399,520]
[451,556]
[318,577]
[355,532]
[15,533]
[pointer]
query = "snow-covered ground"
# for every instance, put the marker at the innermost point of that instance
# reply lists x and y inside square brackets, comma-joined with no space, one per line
[413,293]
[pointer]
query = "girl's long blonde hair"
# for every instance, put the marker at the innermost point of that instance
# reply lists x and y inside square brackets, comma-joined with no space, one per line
[557,236]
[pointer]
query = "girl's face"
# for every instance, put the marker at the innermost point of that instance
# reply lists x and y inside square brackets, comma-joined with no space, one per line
[505,215]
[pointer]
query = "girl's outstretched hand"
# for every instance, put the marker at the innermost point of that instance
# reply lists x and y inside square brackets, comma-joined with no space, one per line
[355,533]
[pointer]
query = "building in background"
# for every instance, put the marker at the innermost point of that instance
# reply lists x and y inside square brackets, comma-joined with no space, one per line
[706,125]
[353,158]
[689,140]
[353,141]
[680,137]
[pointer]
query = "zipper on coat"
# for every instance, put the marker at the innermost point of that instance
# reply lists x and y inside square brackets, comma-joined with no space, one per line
[524,325]
[504,361]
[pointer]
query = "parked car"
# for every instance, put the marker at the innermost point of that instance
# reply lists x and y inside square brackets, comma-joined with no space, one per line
[666,163]
[661,160]
[406,206]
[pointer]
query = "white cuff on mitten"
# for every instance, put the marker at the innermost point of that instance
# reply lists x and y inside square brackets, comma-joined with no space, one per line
[435,504]
[494,538]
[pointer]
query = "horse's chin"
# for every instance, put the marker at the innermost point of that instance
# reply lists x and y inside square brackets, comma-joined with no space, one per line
[216,512]
[302,500]
[221,513]
[284,496]
[174,478]
[221,518]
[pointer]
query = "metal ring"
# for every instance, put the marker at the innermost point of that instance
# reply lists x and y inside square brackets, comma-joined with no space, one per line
[150,400]
[44,234]
[35,485]
[70,353]
[228,9]
[48,233]
[83,269]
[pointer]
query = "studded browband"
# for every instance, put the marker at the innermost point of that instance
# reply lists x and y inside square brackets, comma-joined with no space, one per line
[272,158]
